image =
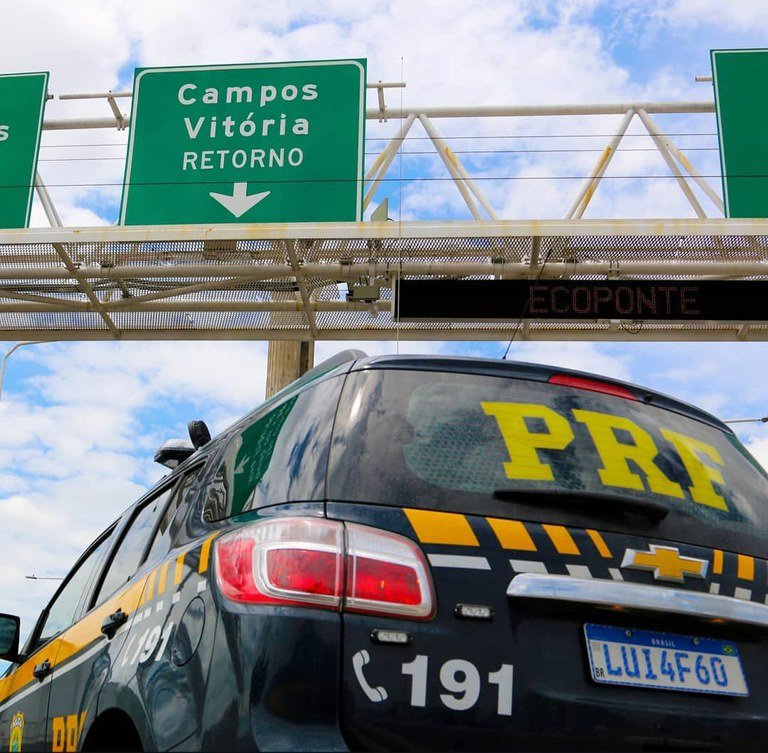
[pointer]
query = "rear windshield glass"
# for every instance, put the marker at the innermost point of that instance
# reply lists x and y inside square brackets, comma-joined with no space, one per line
[446,441]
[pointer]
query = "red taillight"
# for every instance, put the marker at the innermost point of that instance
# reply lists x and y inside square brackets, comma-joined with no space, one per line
[384,581]
[233,560]
[309,561]
[386,574]
[593,385]
[302,570]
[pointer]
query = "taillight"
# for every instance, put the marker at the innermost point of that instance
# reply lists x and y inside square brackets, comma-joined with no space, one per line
[303,571]
[283,561]
[386,573]
[325,564]
[593,385]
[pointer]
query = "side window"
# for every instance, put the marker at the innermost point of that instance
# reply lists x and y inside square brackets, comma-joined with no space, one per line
[130,551]
[280,457]
[163,538]
[62,610]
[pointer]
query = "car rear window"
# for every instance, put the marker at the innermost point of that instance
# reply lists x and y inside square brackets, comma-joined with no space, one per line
[449,441]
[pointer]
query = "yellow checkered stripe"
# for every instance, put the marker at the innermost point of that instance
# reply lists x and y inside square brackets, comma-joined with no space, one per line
[585,552]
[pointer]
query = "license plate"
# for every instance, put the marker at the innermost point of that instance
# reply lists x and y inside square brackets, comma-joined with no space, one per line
[642,658]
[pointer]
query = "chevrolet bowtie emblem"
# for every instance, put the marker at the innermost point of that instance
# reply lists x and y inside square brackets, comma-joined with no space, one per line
[665,563]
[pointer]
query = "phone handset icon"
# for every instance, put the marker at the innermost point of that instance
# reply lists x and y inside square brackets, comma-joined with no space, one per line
[375,695]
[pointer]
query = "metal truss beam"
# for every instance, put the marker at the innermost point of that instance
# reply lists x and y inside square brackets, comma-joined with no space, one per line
[288,282]
[393,113]
[467,187]
[597,333]
[345,272]
[430,229]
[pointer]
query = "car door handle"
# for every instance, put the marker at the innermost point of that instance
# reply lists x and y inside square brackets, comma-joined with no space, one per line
[114,621]
[42,670]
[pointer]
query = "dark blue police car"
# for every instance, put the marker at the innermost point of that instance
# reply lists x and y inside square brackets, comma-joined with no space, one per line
[419,553]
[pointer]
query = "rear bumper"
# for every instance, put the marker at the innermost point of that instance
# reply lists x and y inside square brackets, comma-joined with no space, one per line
[608,593]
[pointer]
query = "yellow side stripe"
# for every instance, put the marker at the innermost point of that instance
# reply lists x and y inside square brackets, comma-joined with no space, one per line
[205,553]
[717,562]
[72,640]
[179,570]
[599,543]
[163,578]
[746,567]
[441,527]
[512,534]
[88,629]
[562,540]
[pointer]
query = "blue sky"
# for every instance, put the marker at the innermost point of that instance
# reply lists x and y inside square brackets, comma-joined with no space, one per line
[82,420]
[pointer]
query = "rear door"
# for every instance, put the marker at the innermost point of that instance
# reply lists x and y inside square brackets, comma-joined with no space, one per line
[598,555]
[164,665]
[89,651]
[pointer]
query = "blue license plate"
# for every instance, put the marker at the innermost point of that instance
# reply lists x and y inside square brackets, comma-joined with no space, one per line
[643,658]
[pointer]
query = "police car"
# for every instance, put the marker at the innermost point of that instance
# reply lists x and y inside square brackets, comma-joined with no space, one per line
[419,553]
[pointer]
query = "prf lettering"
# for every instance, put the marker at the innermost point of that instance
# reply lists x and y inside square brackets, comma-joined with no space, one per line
[66,731]
[702,462]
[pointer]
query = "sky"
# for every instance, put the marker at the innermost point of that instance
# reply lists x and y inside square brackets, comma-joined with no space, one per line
[81,421]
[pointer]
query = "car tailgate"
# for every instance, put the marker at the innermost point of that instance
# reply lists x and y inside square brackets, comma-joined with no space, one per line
[503,666]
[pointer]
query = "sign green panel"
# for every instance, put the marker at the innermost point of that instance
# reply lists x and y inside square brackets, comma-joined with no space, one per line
[277,142]
[740,78]
[22,102]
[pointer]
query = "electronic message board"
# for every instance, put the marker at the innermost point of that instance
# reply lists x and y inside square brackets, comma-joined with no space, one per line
[499,300]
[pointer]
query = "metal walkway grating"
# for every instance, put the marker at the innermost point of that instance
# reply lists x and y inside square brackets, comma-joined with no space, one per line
[239,282]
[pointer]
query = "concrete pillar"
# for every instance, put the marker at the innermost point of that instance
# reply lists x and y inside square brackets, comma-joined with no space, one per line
[287,360]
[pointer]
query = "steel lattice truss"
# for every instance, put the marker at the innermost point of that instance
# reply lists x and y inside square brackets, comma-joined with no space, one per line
[334,281]
[291,282]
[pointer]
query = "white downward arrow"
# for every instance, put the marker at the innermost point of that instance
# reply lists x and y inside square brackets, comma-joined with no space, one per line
[239,202]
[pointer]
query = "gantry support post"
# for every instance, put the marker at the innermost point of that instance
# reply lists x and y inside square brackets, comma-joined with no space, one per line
[287,361]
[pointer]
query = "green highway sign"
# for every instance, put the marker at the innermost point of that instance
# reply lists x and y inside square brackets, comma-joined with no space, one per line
[739,78]
[279,142]
[22,101]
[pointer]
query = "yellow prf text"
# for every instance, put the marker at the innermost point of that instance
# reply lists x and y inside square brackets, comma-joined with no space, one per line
[625,465]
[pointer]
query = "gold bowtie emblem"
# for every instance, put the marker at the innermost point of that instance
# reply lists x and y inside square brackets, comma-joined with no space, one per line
[665,563]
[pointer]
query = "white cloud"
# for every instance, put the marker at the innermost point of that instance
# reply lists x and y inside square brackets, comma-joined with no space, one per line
[737,15]
[582,356]
[759,448]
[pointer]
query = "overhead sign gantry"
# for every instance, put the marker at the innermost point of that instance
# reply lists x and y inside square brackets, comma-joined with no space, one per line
[334,281]
[241,268]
